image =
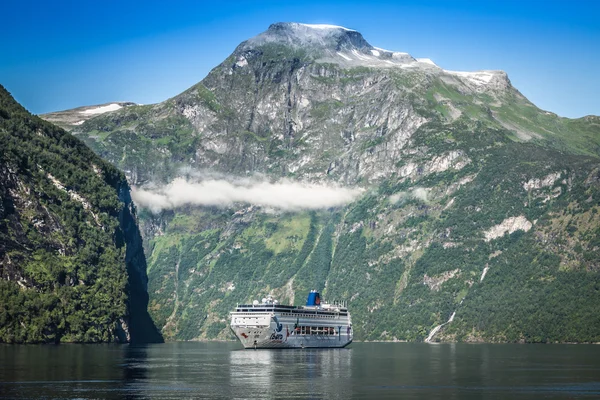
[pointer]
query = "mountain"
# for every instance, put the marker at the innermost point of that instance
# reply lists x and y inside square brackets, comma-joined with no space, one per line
[442,205]
[72,266]
[69,119]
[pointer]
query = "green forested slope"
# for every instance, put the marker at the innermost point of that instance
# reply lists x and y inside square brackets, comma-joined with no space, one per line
[404,266]
[64,239]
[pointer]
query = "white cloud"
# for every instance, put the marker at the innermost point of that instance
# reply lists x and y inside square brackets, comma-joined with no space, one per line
[418,193]
[284,195]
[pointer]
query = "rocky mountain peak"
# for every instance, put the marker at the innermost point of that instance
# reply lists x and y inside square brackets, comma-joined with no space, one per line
[348,48]
[324,37]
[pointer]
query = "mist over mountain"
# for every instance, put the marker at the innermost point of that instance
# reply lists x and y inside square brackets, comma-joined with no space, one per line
[284,195]
[419,195]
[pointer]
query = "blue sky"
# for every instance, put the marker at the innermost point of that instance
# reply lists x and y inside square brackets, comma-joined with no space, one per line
[64,54]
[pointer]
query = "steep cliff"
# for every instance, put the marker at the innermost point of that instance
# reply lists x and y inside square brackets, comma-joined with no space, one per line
[72,267]
[475,207]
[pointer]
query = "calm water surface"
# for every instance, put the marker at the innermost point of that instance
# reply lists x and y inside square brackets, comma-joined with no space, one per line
[365,370]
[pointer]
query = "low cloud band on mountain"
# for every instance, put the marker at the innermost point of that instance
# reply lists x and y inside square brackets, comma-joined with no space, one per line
[283,195]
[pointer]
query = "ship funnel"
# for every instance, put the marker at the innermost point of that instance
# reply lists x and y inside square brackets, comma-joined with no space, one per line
[314,299]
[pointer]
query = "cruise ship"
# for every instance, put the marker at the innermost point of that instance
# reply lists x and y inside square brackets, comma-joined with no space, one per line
[268,324]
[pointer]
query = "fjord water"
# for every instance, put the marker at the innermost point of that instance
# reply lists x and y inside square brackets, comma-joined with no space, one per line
[364,370]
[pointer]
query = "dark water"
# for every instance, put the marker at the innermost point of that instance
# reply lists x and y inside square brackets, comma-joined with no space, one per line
[365,370]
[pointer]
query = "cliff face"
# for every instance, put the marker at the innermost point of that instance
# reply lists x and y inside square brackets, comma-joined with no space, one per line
[141,326]
[475,204]
[71,261]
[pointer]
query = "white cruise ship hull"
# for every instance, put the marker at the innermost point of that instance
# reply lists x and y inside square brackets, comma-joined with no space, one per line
[257,330]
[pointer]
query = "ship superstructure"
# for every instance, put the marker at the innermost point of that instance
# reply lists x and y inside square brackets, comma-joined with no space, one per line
[268,324]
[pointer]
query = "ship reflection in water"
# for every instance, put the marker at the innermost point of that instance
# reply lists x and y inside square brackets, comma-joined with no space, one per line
[308,373]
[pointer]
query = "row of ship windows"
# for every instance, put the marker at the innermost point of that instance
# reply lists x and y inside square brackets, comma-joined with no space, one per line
[295,312]
[316,330]
[298,316]
[308,315]
[244,320]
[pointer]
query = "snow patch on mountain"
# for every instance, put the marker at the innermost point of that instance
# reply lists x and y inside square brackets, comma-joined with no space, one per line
[102,109]
[327,27]
[384,50]
[479,78]
[361,56]
[345,57]
[426,61]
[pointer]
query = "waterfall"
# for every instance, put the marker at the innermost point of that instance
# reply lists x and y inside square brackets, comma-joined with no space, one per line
[437,328]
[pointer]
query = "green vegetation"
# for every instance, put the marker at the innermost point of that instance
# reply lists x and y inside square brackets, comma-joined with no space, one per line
[142,139]
[63,239]
[355,253]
